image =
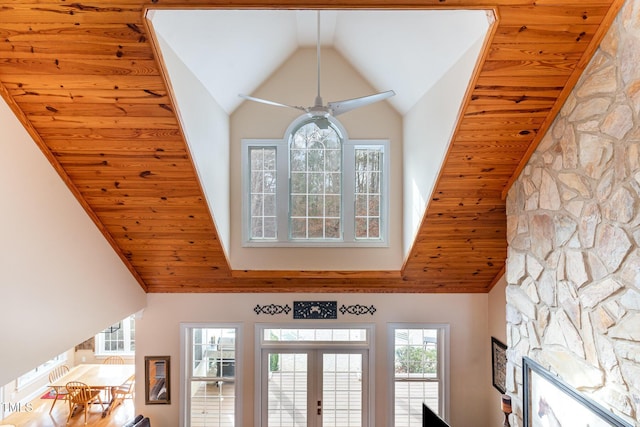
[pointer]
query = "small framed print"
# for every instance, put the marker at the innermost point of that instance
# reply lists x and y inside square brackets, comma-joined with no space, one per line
[499,365]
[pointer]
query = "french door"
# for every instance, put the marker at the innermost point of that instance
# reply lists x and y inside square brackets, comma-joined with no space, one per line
[314,387]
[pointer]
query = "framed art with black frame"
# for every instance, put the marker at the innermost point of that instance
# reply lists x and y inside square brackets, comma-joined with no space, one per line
[550,401]
[499,365]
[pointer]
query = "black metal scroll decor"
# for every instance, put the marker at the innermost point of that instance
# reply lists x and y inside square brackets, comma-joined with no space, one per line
[315,309]
[272,309]
[357,309]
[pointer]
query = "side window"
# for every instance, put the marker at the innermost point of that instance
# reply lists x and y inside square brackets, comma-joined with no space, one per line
[420,372]
[211,375]
[369,175]
[119,338]
[262,193]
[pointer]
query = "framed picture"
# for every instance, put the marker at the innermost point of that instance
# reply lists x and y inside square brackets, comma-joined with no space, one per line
[550,401]
[157,388]
[499,365]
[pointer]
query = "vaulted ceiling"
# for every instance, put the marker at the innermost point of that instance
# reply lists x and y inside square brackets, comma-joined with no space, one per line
[85,81]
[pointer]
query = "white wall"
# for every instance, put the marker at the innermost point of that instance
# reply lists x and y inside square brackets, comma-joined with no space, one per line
[60,281]
[158,334]
[206,129]
[497,327]
[428,127]
[295,84]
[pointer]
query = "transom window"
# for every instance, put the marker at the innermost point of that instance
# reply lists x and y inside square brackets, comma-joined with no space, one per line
[315,186]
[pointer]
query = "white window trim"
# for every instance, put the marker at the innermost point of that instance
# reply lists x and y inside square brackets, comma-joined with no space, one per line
[443,365]
[368,345]
[348,197]
[186,348]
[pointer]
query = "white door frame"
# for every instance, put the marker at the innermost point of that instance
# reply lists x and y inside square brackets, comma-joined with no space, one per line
[366,348]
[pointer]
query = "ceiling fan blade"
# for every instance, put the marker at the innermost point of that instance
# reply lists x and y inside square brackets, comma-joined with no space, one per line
[341,107]
[276,104]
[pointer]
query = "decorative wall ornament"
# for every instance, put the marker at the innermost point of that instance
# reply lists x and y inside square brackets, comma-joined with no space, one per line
[315,309]
[357,309]
[499,365]
[272,309]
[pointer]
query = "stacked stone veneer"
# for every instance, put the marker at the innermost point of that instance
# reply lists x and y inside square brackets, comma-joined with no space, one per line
[573,267]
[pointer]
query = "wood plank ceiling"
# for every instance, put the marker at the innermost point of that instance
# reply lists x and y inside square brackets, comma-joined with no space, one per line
[84,80]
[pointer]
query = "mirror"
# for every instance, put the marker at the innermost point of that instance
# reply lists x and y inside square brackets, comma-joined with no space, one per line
[157,385]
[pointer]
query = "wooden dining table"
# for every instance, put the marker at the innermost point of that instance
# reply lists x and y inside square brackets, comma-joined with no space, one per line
[98,376]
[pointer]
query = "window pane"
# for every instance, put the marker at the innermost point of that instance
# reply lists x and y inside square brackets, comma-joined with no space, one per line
[263,190]
[298,206]
[333,183]
[211,397]
[269,228]
[312,334]
[298,160]
[316,228]
[316,206]
[316,160]
[213,352]
[332,228]
[342,390]
[408,402]
[257,228]
[269,205]
[287,388]
[298,183]
[316,183]
[316,165]
[368,191]
[374,227]
[333,158]
[361,205]
[416,374]
[332,207]
[212,403]
[298,228]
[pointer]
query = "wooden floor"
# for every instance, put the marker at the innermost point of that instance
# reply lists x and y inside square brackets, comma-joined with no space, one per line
[39,415]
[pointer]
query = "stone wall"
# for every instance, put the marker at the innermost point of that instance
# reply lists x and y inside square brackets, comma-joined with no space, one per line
[573,268]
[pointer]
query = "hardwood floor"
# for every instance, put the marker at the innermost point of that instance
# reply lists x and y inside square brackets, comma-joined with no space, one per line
[40,417]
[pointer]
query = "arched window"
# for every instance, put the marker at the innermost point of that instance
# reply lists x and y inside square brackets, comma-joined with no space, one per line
[315,187]
[315,169]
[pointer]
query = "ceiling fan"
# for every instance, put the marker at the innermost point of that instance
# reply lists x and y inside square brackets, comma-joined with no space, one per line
[335,108]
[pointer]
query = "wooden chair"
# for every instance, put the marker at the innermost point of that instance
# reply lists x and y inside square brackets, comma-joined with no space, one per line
[81,394]
[114,360]
[120,393]
[60,392]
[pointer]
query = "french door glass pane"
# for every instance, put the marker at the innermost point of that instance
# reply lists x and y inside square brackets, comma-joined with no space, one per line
[341,390]
[287,390]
